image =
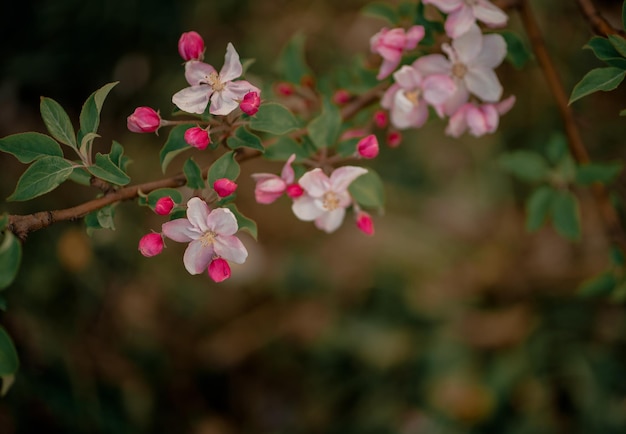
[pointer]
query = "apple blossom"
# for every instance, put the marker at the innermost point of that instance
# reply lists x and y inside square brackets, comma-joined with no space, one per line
[365,223]
[394,138]
[207,85]
[164,205]
[144,120]
[210,234]
[367,147]
[224,187]
[392,43]
[197,137]
[151,244]
[462,14]
[191,46]
[219,270]
[325,199]
[381,119]
[341,97]
[270,187]
[480,119]
[250,103]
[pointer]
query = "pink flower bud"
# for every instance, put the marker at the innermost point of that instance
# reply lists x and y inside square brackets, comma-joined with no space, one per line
[368,147]
[365,223]
[381,119]
[284,89]
[224,187]
[191,46]
[143,120]
[219,270]
[250,103]
[294,191]
[198,137]
[164,206]
[394,138]
[341,97]
[151,244]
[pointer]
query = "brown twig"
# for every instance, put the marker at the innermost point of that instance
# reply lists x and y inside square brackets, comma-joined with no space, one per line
[576,145]
[598,23]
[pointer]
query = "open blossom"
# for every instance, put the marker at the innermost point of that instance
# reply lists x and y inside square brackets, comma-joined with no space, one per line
[191,46]
[207,85]
[479,119]
[210,234]
[409,97]
[270,187]
[143,120]
[325,199]
[462,14]
[391,45]
[471,60]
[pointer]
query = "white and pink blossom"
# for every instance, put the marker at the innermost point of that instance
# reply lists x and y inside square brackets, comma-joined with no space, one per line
[462,14]
[325,198]
[480,119]
[210,234]
[270,187]
[391,44]
[221,90]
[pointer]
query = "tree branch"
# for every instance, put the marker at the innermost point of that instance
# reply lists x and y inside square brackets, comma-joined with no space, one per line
[598,23]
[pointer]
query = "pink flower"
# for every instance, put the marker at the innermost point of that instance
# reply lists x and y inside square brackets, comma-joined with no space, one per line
[326,198]
[151,245]
[270,187]
[480,119]
[471,60]
[164,205]
[409,97]
[143,120]
[341,97]
[394,138]
[191,46]
[381,119]
[367,147]
[391,44]
[210,234]
[224,187]
[462,14]
[365,223]
[206,84]
[250,103]
[219,270]
[197,137]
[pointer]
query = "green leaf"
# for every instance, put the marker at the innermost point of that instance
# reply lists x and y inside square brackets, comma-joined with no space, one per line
[618,43]
[90,113]
[324,129]
[81,176]
[291,63]
[85,143]
[604,79]
[432,28]
[566,215]
[105,217]
[28,147]
[3,303]
[597,286]
[605,51]
[275,119]
[174,145]
[526,165]
[538,207]
[368,190]
[245,224]
[347,148]
[381,10]
[106,170]
[224,167]
[57,121]
[556,149]
[7,382]
[117,156]
[4,221]
[284,147]
[42,176]
[517,51]
[589,173]
[193,173]
[9,362]
[245,139]
[10,258]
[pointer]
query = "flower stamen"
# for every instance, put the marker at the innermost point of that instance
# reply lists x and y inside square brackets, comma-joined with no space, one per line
[330,201]
[207,238]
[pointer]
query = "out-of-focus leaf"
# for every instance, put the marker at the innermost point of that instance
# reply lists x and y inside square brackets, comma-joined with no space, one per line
[517,51]
[538,207]
[9,362]
[368,190]
[526,165]
[10,258]
[42,176]
[291,63]
[566,215]
[598,286]
[28,147]
[324,129]
[285,146]
[381,10]
[589,173]
[275,119]
[245,139]
[193,173]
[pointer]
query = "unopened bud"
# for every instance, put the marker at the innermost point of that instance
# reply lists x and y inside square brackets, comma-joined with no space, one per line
[368,147]
[341,97]
[164,206]
[284,88]
[197,137]
[219,270]
[250,103]
[394,138]
[224,187]
[381,118]
[294,191]
[143,120]
[365,223]
[191,46]
[151,244]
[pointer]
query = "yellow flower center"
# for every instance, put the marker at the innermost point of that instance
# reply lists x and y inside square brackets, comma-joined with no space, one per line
[207,238]
[214,81]
[330,201]
[459,70]
[413,96]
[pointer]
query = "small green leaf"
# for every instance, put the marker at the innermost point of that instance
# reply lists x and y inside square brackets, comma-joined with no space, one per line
[347,148]
[10,258]
[538,207]
[90,113]
[381,10]
[598,286]
[43,176]
[117,156]
[589,173]
[291,63]
[245,139]
[224,167]
[275,119]
[81,176]
[193,173]
[85,143]
[245,224]
[566,215]
[106,170]
[432,28]
[517,51]
[9,363]
[284,147]
[605,51]
[174,145]
[105,217]
[324,129]
[368,190]
[155,195]
[556,148]
[57,121]
[7,382]
[526,165]
[604,79]
[28,147]
[4,221]
[618,43]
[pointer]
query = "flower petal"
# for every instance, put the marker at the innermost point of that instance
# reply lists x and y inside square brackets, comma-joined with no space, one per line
[197,72]
[315,182]
[468,45]
[197,213]
[192,99]
[433,64]
[460,21]
[484,83]
[180,230]
[305,208]
[505,105]
[232,66]
[492,53]
[287,174]
[438,88]
[330,221]
[197,257]
[222,221]
[222,103]
[490,14]
[408,77]
[446,6]
[457,124]
[342,177]
[230,248]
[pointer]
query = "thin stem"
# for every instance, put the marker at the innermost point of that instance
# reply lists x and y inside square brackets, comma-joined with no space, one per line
[598,23]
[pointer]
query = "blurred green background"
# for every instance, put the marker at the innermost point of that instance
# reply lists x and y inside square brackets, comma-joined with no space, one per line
[451,319]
